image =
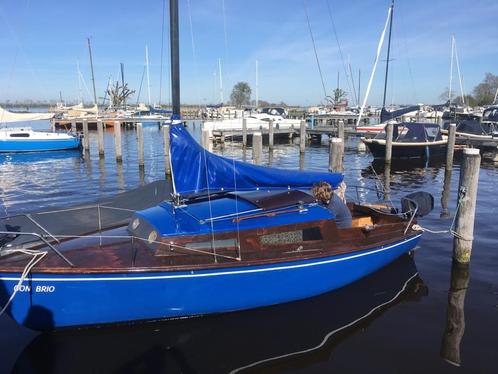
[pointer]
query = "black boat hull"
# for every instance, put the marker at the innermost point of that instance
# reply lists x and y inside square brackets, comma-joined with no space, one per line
[417,151]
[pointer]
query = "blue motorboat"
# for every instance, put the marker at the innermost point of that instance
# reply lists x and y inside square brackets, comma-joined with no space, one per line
[235,236]
[14,140]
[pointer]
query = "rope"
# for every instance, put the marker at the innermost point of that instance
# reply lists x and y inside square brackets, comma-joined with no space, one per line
[37,257]
[350,76]
[314,48]
[451,229]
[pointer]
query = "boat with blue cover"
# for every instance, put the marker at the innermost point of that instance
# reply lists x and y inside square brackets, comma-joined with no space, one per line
[14,140]
[411,140]
[235,236]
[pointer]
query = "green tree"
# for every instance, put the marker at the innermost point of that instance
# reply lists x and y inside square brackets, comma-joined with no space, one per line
[485,91]
[241,94]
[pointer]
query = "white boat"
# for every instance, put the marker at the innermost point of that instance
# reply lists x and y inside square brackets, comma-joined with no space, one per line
[14,140]
[255,121]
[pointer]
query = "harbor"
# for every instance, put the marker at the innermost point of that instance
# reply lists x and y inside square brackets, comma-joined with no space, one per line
[167,234]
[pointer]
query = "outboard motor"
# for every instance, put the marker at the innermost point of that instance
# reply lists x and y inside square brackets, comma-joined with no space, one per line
[422,201]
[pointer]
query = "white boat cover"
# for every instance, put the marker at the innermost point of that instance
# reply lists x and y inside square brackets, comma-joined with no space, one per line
[7,117]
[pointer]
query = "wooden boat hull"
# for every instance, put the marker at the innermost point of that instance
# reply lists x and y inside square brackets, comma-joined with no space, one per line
[50,301]
[428,150]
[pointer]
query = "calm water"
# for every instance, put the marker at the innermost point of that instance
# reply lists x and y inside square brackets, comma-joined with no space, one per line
[404,330]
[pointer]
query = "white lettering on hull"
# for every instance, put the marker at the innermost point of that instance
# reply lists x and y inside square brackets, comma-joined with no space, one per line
[38,289]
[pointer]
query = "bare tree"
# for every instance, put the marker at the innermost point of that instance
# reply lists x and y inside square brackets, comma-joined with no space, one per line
[119,94]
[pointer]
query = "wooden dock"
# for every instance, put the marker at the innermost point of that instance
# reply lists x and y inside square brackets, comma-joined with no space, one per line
[77,123]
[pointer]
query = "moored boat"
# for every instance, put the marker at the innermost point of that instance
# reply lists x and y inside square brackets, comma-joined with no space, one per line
[26,140]
[410,140]
[236,236]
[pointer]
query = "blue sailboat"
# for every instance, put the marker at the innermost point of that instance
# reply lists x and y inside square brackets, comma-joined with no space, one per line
[234,236]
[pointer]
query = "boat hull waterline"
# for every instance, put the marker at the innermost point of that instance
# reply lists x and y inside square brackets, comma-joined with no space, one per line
[14,146]
[50,301]
[407,150]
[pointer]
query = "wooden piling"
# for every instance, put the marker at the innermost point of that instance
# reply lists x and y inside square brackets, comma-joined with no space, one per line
[335,155]
[389,143]
[244,132]
[257,147]
[86,139]
[100,137]
[117,141]
[167,162]
[73,126]
[495,159]
[270,134]
[450,148]
[205,138]
[302,136]
[340,131]
[140,145]
[467,196]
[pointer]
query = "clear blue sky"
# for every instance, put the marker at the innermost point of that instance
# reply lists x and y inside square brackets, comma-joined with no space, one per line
[41,42]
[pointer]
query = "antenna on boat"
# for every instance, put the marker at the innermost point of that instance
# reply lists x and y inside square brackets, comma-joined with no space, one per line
[388,54]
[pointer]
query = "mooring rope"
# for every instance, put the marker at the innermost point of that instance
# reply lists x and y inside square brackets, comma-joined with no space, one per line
[37,257]
[451,229]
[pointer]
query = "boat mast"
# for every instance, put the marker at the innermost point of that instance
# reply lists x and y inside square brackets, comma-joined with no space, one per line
[221,80]
[147,71]
[388,54]
[175,56]
[359,86]
[257,85]
[451,69]
[80,92]
[460,78]
[93,75]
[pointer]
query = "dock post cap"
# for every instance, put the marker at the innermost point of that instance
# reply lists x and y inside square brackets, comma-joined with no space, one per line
[335,140]
[471,151]
[452,124]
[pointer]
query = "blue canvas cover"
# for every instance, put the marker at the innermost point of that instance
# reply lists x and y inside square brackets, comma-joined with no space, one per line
[196,170]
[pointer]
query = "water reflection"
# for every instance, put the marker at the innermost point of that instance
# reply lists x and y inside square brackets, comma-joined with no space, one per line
[455,322]
[445,196]
[297,334]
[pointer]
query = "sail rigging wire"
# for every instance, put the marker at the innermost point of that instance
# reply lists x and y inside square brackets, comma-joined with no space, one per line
[348,76]
[194,54]
[379,49]
[141,83]
[314,48]
[213,245]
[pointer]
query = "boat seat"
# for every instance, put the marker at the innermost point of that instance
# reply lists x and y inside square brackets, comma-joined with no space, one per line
[362,221]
